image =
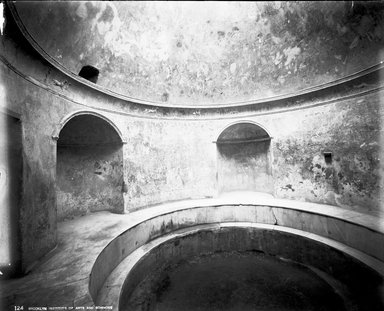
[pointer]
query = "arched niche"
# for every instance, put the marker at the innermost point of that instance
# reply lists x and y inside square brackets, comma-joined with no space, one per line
[89,169]
[244,160]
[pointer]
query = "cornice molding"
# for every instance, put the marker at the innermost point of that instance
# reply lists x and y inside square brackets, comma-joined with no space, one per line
[193,117]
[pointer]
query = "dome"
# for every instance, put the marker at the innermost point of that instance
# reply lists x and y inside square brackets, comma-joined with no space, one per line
[206,53]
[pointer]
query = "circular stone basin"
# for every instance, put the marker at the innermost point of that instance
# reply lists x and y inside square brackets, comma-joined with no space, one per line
[241,267]
[234,281]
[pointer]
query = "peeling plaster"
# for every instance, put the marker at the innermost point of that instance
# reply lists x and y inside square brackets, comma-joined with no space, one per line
[291,54]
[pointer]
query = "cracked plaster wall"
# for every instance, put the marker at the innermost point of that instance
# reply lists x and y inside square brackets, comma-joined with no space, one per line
[351,131]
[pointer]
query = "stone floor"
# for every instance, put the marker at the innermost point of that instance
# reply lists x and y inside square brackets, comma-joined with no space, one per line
[61,277]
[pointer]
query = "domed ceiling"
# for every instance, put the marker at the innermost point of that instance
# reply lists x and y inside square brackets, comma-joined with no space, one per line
[208,53]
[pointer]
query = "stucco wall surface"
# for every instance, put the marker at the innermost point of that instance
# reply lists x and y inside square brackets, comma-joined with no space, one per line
[351,131]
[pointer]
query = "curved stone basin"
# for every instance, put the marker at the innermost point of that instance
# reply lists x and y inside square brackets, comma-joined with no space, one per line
[241,267]
[340,245]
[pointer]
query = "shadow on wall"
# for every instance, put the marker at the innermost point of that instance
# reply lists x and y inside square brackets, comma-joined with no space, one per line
[244,159]
[89,167]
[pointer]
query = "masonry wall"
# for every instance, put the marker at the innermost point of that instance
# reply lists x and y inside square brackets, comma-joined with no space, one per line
[173,157]
[177,159]
[39,109]
[166,161]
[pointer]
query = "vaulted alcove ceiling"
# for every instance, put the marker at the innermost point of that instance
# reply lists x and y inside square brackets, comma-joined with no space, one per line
[208,53]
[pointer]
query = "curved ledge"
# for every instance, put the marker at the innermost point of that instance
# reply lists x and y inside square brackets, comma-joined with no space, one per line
[175,113]
[205,106]
[352,230]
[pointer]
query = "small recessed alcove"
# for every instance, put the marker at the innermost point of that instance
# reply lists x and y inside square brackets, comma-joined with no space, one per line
[89,167]
[244,159]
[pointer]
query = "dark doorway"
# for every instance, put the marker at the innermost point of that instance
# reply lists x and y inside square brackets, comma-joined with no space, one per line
[89,167]
[11,163]
[244,159]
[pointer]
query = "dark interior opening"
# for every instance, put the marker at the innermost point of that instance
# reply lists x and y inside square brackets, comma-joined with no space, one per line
[90,73]
[328,157]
